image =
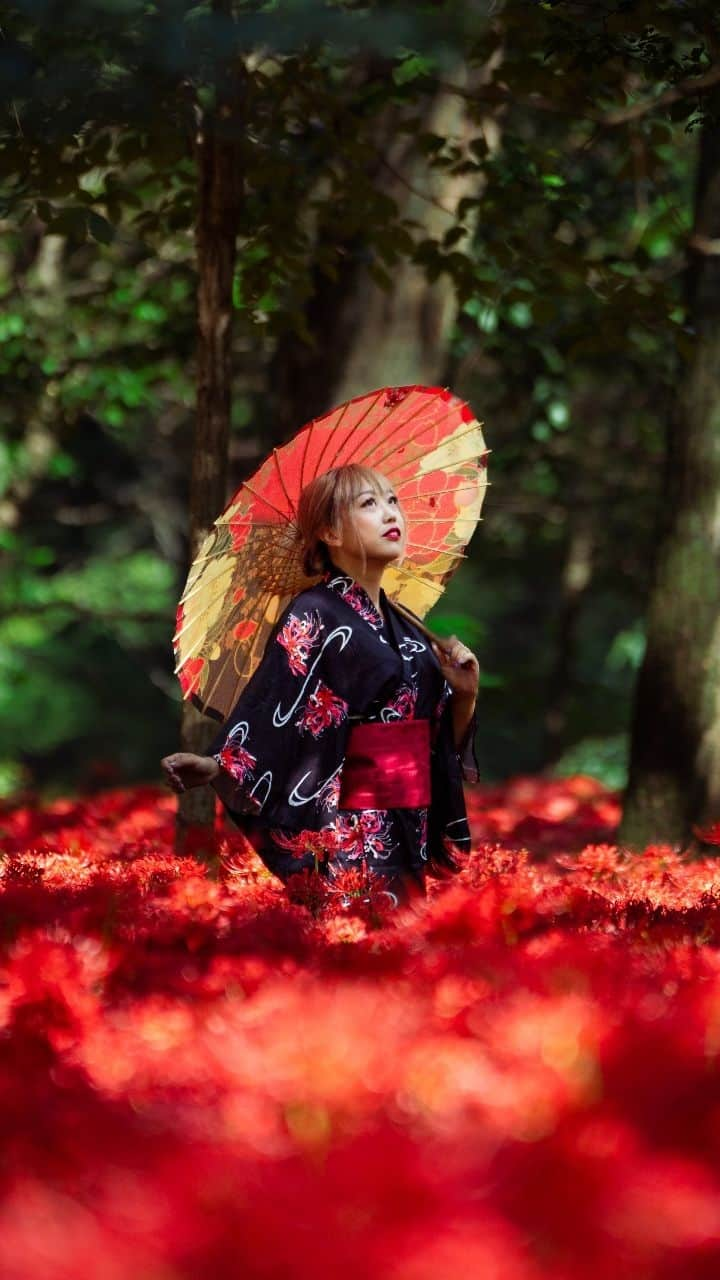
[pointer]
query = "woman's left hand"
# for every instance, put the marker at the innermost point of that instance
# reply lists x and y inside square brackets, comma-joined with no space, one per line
[459,666]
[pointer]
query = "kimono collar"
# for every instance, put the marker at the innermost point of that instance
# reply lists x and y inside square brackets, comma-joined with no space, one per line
[355,595]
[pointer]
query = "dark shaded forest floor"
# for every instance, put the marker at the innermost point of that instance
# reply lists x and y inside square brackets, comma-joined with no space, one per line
[516,1079]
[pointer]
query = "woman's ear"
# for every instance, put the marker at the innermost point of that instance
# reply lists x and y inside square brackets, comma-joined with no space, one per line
[331,537]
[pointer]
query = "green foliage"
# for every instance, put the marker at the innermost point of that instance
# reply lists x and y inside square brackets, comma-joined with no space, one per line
[11,778]
[412,66]
[627,649]
[451,616]
[566,253]
[603,758]
[105,586]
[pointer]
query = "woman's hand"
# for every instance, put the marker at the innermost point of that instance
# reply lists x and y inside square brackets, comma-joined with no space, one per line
[461,669]
[184,770]
[459,666]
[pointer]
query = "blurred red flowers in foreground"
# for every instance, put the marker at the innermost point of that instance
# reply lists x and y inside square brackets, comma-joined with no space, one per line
[202,1078]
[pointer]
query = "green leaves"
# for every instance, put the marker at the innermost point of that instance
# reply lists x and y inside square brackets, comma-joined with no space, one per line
[562,239]
[413,66]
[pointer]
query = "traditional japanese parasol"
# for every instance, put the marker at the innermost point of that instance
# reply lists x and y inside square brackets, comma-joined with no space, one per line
[428,444]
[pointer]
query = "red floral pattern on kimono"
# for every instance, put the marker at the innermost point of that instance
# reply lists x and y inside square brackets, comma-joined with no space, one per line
[356,596]
[298,638]
[238,762]
[402,705]
[329,795]
[340,659]
[368,831]
[322,709]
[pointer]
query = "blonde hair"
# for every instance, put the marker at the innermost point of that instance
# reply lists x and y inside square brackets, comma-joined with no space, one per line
[320,506]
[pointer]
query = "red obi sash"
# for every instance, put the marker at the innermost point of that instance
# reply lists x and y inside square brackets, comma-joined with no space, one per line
[387,766]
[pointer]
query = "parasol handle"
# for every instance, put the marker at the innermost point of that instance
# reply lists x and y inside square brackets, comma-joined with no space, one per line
[411,617]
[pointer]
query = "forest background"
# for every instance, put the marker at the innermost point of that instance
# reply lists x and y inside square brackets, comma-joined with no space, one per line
[507,198]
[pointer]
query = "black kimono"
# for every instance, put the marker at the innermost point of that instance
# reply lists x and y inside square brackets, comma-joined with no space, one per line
[334,660]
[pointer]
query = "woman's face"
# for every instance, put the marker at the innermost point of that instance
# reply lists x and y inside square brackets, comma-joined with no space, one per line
[373,527]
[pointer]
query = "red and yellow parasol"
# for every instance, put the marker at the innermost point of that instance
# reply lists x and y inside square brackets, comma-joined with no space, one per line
[429,445]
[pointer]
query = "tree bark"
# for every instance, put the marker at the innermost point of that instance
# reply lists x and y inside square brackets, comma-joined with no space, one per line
[218,150]
[366,336]
[401,336]
[674,776]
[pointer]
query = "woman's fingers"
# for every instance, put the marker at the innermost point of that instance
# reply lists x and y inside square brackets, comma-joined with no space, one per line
[453,653]
[169,765]
[184,770]
[459,652]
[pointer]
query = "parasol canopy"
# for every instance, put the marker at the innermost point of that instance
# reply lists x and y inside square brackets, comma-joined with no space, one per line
[428,444]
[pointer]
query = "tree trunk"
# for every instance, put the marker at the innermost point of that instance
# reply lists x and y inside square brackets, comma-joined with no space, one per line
[401,336]
[674,778]
[218,151]
[366,336]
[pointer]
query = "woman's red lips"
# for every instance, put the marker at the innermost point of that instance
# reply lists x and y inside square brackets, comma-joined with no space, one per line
[392,533]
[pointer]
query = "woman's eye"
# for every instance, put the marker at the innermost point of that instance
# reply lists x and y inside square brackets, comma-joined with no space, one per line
[367,502]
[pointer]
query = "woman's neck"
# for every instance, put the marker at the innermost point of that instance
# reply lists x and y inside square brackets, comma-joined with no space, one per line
[369,575]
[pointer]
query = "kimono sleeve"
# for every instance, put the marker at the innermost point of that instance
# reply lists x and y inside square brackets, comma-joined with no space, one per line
[447,819]
[466,753]
[282,748]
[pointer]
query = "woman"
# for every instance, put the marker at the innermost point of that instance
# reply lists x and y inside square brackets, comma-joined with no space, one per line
[344,748]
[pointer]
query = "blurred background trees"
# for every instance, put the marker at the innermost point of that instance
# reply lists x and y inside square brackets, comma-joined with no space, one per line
[497,197]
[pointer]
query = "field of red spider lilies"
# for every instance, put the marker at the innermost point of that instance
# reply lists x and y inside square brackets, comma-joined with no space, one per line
[518,1079]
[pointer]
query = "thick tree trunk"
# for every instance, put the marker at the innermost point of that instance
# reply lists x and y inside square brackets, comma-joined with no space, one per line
[401,335]
[674,779]
[218,155]
[366,336]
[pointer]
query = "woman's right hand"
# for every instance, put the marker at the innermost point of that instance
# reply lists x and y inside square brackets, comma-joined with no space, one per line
[184,770]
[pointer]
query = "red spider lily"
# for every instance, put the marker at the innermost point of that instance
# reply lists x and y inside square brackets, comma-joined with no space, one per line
[518,1077]
[708,835]
[308,889]
[320,845]
[361,891]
